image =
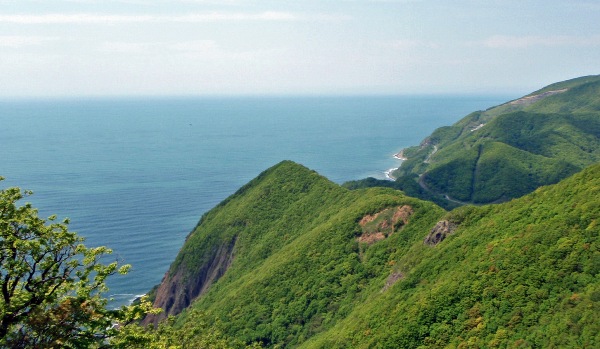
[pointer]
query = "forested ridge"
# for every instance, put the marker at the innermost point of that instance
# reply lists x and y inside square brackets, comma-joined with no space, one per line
[518,274]
[510,150]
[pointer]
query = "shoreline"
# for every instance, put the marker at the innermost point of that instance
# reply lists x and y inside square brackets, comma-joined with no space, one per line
[121,299]
[400,155]
[388,173]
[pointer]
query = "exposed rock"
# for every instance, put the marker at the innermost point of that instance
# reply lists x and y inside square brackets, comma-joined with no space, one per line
[177,291]
[439,232]
[400,155]
[382,224]
[367,219]
[392,279]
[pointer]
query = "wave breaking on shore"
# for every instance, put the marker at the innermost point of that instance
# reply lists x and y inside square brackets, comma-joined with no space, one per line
[388,173]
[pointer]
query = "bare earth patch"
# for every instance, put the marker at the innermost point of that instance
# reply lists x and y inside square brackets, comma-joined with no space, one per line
[382,224]
[370,239]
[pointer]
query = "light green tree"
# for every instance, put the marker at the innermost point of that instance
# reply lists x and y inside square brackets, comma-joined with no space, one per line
[51,284]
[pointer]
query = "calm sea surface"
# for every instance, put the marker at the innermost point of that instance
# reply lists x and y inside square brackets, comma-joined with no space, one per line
[137,174]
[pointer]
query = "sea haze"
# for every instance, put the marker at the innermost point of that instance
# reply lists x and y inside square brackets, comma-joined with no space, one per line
[136,174]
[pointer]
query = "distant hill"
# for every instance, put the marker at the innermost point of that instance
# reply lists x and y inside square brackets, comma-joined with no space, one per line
[295,260]
[509,150]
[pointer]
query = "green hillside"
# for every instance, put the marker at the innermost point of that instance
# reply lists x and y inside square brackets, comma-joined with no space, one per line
[508,151]
[297,266]
[294,260]
[520,274]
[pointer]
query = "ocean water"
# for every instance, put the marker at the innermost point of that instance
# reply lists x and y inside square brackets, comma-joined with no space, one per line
[136,174]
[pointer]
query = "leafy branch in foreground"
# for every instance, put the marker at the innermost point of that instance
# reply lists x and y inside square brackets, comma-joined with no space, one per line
[51,284]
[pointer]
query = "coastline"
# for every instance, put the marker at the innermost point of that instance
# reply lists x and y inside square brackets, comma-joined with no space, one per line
[388,174]
[119,299]
[398,156]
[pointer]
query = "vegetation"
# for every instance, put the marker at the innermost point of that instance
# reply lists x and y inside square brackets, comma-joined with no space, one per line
[407,184]
[51,285]
[294,260]
[196,333]
[298,267]
[510,150]
[520,274]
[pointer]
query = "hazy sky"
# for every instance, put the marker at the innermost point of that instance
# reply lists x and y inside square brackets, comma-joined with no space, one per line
[190,47]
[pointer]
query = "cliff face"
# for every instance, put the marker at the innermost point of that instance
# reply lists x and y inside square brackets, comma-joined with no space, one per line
[438,233]
[294,260]
[176,291]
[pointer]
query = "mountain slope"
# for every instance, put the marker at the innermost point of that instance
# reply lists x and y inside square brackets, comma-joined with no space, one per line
[508,151]
[520,274]
[243,230]
[288,219]
[304,252]
[318,266]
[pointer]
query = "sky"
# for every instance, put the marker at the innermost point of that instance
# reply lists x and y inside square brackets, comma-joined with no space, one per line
[231,47]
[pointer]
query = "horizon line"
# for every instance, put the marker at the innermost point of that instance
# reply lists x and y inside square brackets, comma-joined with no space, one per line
[249,95]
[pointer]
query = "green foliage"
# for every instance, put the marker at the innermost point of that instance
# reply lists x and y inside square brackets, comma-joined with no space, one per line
[518,274]
[568,84]
[283,190]
[196,333]
[455,177]
[298,267]
[524,273]
[407,184]
[51,284]
[510,150]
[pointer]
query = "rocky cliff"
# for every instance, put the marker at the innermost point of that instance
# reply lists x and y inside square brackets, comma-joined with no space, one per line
[179,288]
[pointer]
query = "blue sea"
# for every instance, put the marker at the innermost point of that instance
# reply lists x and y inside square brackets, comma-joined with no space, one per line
[136,174]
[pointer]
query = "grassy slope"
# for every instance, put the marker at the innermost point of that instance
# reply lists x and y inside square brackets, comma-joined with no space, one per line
[520,274]
[520,147]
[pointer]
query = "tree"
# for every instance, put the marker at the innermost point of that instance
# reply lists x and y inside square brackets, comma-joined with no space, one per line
[199,330]
[51,284]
